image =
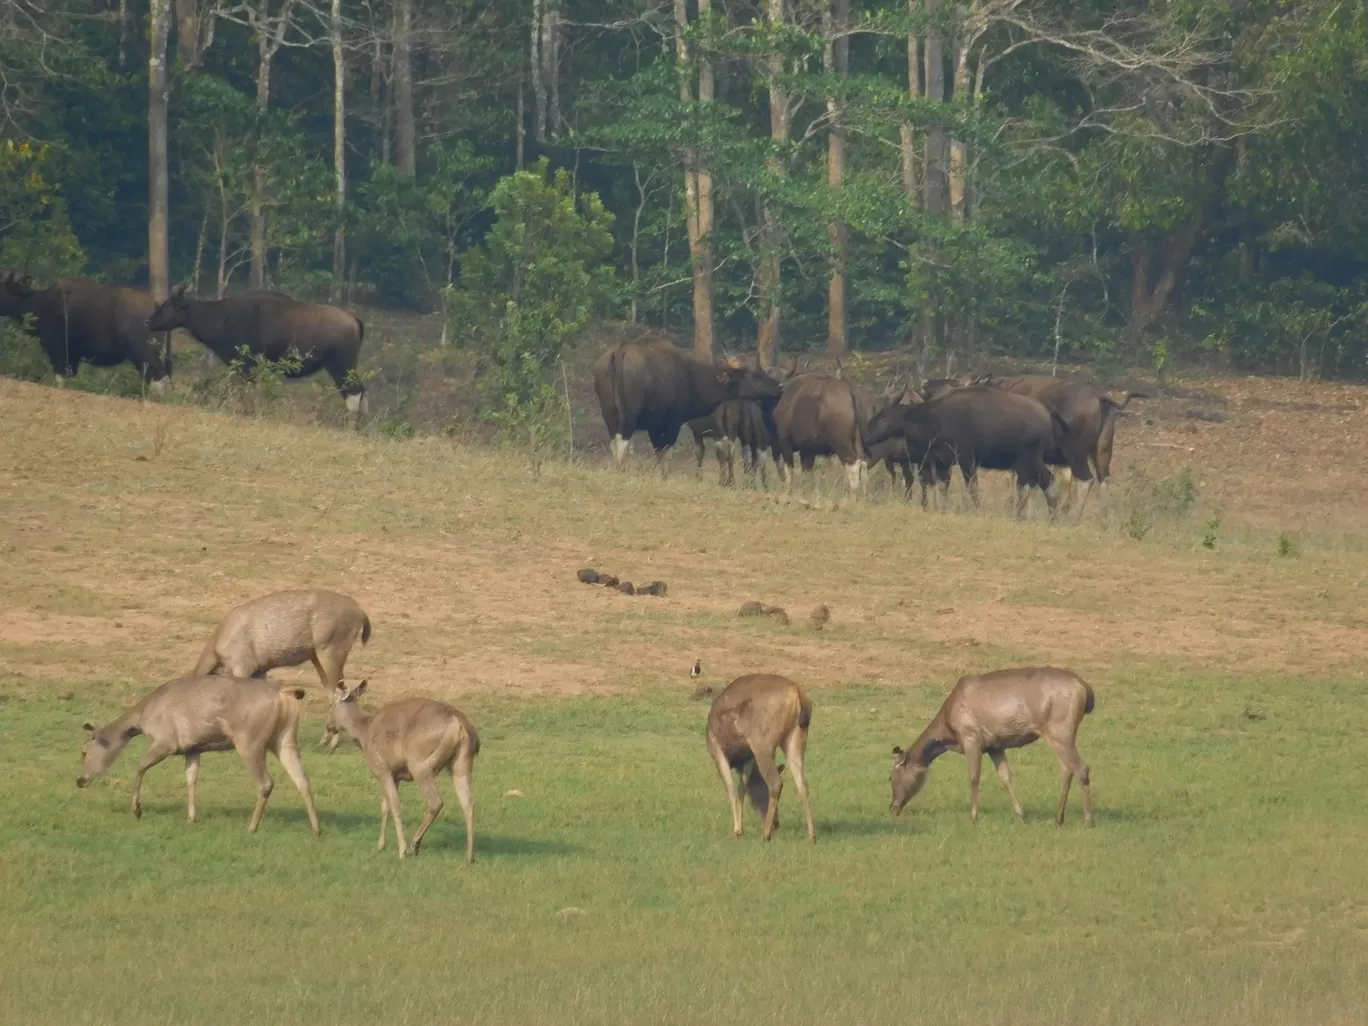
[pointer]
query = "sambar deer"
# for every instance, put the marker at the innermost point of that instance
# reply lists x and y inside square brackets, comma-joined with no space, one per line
[193,715]
[409,739]
[992,712]
[753,716]
[287,628]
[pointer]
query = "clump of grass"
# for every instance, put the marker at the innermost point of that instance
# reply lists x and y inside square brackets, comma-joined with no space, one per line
[1209,536]
[1286,546]
[1149,502]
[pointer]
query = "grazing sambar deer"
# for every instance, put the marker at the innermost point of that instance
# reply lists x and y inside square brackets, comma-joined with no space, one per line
[992,712]
[410,739]
[753,716]
[287,628]
[193,715]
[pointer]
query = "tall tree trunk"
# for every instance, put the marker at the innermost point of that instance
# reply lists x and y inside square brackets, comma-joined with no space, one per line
[769,338]
[187,34]
[835,60]
[270,35]
[697,184]
[906,135]
[551,57]
[959,153]
[933,178]
[158,246]
[520,133]
[535,66]
[339,274]
[405,133]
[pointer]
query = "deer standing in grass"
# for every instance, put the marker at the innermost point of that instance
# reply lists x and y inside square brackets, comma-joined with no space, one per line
[193,715]
[992,712]
[287,628]
[411,739]
[752,717]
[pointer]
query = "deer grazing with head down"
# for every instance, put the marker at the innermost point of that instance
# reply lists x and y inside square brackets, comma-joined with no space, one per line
[287,628]
[193,715]
[992,712]
[753,716]
[409,739]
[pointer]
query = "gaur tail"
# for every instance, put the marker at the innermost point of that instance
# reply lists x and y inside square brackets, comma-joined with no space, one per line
[805,715]
[1091,701]
[365,628]
[1061,426]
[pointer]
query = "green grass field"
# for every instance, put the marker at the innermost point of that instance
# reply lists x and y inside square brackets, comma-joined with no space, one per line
[1225,881]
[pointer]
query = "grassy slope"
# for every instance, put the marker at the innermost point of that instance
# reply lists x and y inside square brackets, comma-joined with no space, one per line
[1224,882]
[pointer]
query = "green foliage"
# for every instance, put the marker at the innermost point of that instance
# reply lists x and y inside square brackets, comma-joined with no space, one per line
[1286,546]
[248,385]
[35,235]
[527,291]
[1209,536]
[1148,502]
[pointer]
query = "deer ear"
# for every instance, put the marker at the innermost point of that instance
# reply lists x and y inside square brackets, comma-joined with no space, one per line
[89,728]
[177,291]
[897,750]
[360,689]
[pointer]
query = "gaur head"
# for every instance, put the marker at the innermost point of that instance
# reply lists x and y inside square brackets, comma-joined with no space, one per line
[887,423]
[171,314]
[908,778]
[14,290]
[100,750]
[742,382]
[338,716]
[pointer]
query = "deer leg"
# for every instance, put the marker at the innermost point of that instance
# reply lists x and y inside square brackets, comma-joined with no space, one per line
[192,763]
[329,669]
[384,822]
[1004,773]
[391,792]
[765,766]
[1071,765]
[729,782]
[424,779]
[255,761]
[974,757]
[288,754]
[154,755]
[460,780]
[794,750]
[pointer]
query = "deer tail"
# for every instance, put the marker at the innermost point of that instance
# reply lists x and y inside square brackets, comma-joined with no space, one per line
[1090,702]
[365,628]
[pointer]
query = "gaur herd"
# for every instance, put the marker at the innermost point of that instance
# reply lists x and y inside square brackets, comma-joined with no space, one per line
[227,704]
[1025,425]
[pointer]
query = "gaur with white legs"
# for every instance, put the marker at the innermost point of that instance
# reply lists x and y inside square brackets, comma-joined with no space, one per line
[991,712]
[753,717]
[193,715]
[410,739]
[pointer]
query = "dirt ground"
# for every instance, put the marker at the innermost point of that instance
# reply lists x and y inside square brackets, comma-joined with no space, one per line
[129,529]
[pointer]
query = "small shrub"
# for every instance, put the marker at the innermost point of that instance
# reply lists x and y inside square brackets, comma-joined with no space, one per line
[1139,520]
[247,385]
[1148,503]
[1177,494]
[20,354]
[1286,546]
[1209,538]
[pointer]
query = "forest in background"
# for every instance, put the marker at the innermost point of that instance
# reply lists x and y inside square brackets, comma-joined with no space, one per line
[1154,182]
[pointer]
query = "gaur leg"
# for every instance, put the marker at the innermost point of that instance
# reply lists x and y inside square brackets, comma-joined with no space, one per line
[461,768]
[970,473]
[254,758]
[764,763]
[794,750]
[192,763]
[154,755]
[1071,765]
[729,782]
[699,452]
[391,791]
[619,447]
[999,758]
[422,776]
[287,751]
[974,757]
